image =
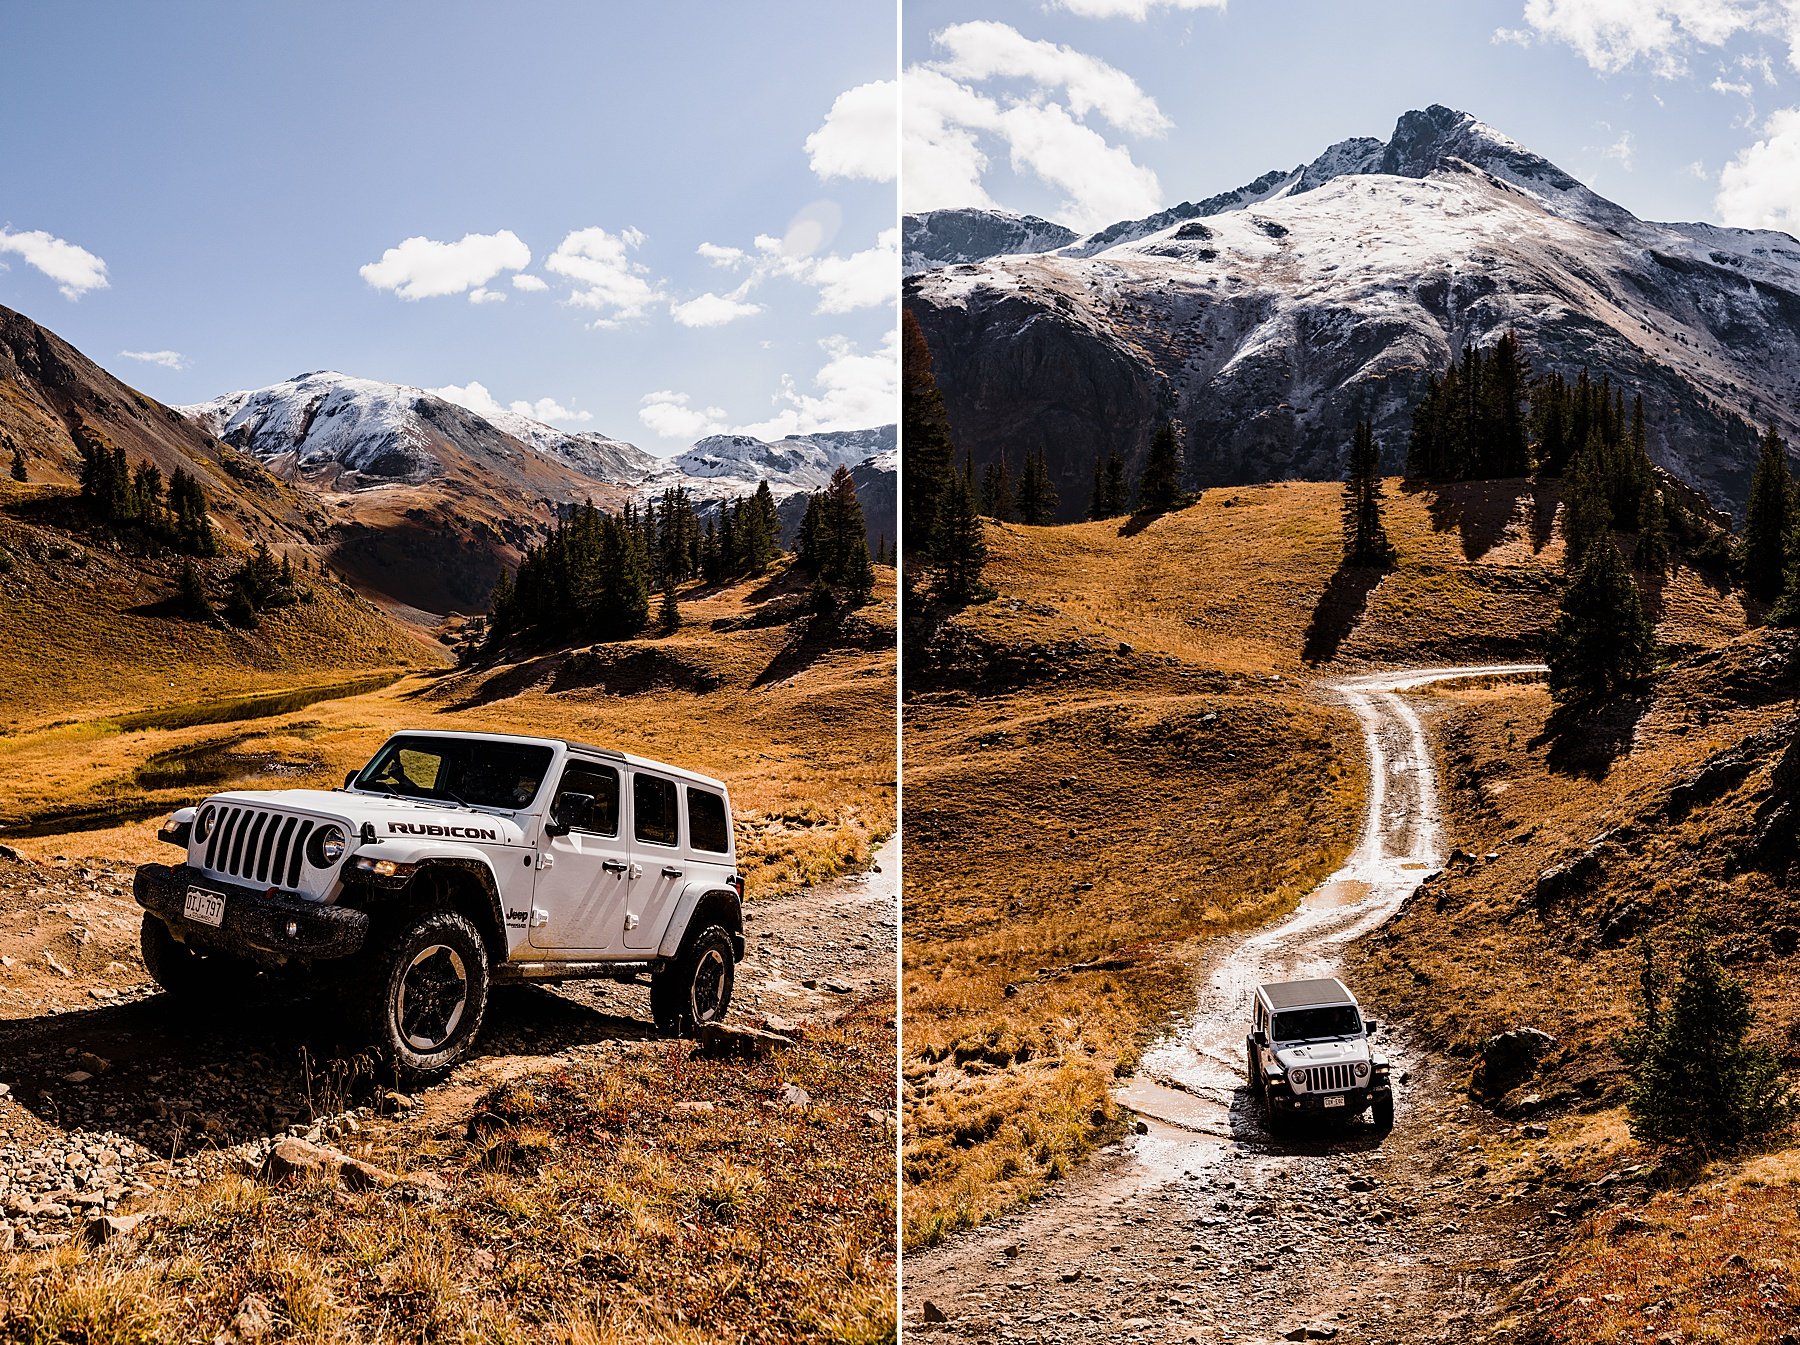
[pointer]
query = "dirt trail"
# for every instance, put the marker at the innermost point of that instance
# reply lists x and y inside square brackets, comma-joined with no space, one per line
[110,1094]
[1202,1227]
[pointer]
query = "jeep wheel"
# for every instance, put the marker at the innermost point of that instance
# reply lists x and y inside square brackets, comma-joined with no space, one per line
[181,971]
[427,990]
[1381,1111]
[694,989]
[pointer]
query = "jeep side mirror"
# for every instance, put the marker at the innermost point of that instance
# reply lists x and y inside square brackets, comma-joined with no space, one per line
[572,811]
[1371,1024]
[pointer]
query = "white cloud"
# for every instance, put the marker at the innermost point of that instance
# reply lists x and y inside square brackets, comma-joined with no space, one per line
[529,283]
[1614,34]
[721,256]
[1742,89]
[866,279]
[1130,9]
[599,264]
[1760,188]
[1620,151]
[475,397]
[167,359]
[421,268]
[487,296]
[859,137]
[1698,169]
[1045,130]
[711,310]
[670,416]
[853,390]
[74,269]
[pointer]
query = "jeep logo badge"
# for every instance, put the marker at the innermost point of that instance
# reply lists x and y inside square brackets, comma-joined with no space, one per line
[433,829]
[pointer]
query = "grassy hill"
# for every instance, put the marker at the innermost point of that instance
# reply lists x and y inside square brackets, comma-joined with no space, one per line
[1132,747]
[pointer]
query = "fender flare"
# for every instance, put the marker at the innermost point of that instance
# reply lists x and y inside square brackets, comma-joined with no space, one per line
[435,856]
[693,896]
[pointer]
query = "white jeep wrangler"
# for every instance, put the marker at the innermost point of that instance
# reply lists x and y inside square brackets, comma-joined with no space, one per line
[449,862]
[1308,1054]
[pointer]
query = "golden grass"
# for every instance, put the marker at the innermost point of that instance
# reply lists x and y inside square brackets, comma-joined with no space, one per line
[755,1221]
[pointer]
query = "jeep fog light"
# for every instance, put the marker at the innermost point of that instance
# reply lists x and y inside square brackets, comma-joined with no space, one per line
[383,868]
[1362,1069]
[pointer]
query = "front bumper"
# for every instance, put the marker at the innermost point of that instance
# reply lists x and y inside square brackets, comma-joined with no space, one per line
[1355,1100]
[255,924]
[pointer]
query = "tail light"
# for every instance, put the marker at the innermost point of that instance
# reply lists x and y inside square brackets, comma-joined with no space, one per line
[737,885]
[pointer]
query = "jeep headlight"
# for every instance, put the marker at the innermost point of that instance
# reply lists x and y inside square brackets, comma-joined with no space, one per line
[1362,1069]
[1296,1077]
[326,847]
[203,822]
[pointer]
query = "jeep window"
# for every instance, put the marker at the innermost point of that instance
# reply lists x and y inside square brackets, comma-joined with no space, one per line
[1334,1020]
[601,783]
[458,770]
[707,827]
[653,811]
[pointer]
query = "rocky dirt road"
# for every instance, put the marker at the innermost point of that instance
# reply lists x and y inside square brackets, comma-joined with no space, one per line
[1203,1228]
[109,1094]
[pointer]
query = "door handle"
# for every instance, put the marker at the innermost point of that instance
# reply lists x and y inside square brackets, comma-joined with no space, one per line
[670,871]
[613,865]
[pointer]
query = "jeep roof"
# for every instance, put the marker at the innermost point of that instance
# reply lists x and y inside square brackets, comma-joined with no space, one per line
[587,749]
[1315,994]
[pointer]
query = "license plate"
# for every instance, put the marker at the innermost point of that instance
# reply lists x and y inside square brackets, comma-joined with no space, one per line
[1335,1100]
[204,907]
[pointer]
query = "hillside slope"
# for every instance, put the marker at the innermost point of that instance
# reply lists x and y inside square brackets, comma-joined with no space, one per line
[1268,320]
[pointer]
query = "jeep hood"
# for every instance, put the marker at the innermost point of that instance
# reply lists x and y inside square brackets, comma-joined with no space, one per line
[411,819]
[1323,1053]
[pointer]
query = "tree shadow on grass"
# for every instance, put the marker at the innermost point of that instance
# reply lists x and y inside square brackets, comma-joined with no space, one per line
[1479,510]
[1585,738]
[1339,610]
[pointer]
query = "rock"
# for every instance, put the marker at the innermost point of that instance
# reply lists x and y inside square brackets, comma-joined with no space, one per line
[1507,1060]
[1141,1127]
[360,1176]
[94,1064]
[719,1042]
[1312,1331]
[931,1312]
[391,1103]
[78,1076]
[837,987]
[106,1227]
[695,1108]
[253,1320]
[1534,1131]
[294,1159]
[794,1096]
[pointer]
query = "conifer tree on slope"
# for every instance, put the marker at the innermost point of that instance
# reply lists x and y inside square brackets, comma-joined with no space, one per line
[1768,519]
[1602,639]
[1037,492]
[962,549]
[1159,489]
[1118,490]
[997,491]
[1366,541]
[928,455]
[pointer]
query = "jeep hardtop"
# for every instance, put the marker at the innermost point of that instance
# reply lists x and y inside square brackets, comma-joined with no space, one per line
[451,861]
[1308,1054]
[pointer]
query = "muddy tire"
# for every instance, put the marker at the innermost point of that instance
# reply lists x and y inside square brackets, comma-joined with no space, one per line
[1381,1112]
[188,976]
[695,988]
[424,991]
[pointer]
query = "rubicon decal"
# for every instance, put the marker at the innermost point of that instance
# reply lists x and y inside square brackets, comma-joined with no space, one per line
[434,829]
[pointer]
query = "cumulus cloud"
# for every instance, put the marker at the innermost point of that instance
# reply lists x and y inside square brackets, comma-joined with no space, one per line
[1130,9]
[1040,114]
[711,310]
[605,277]
[1760,188]
[853,390]
[529,283]
[671,415]
[167,359]
[487,296]
[721,256]
[1614,34]
[475,397]
[859,135]
[422,268]
[74,269]
[866,279]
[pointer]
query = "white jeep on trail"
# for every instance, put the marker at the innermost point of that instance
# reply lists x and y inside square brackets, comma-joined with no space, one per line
[1308,1054]
[449,862]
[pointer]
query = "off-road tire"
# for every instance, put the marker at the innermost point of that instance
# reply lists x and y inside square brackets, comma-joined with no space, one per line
[695,988]
[423,991]
[1381,1112]
[188,976]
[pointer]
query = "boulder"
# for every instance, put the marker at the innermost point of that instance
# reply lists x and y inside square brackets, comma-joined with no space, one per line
[719,1042]
[1507,1060]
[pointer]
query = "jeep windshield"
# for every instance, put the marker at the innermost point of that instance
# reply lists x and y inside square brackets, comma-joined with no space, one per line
[1334,1020]
[470,772]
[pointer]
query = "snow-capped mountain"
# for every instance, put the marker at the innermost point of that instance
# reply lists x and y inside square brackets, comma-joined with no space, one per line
[946,237]
[1267,319]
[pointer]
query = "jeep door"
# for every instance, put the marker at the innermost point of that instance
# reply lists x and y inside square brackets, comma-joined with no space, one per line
[582,892]
[657,855]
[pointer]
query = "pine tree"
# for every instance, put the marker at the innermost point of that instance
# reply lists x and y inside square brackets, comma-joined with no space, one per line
[1097,495]
[1602,639]
[1159,489]
[191,594]
[1037,492]
[668,615]
[1118,490]
[962,549]
[996,491]
[928,455]
[1586,516]
[1696,1080]
[1768,518]
[1652,553]
[1366,541]
[18,464]
[847,569]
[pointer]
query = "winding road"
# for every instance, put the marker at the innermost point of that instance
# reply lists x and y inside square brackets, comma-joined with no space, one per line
[1202,1228]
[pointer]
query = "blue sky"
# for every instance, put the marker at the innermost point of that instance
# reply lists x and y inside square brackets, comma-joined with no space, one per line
[1087,111]
[228,188]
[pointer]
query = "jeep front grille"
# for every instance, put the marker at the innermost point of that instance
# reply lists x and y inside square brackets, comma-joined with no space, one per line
[1330,1078]
[258,846]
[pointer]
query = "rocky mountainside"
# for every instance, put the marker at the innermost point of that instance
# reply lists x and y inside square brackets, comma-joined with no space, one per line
[946,237]
[1267,320]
